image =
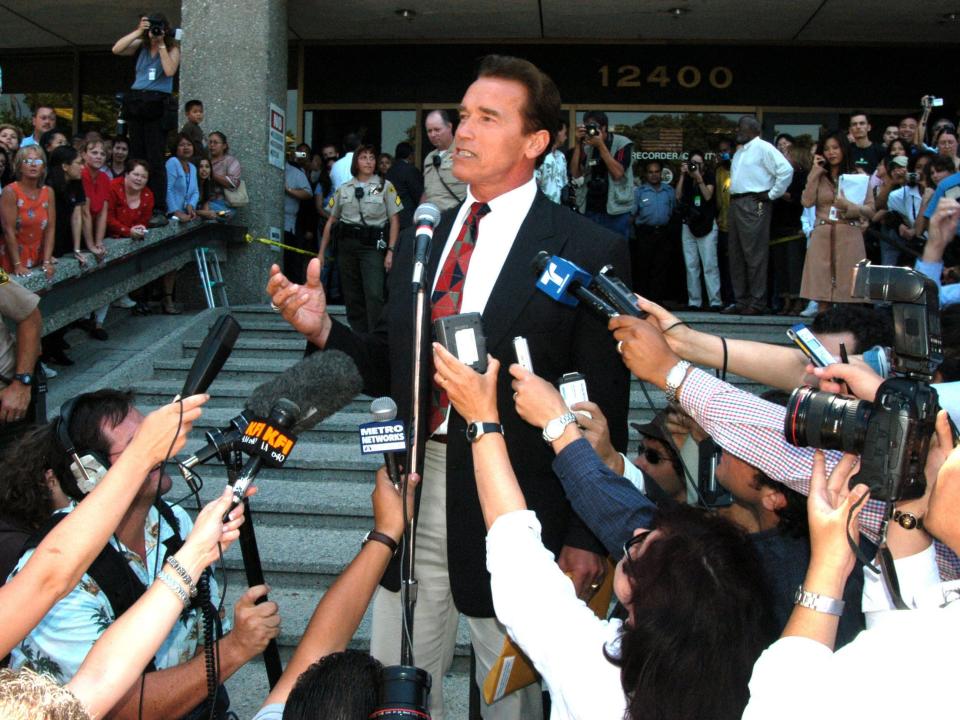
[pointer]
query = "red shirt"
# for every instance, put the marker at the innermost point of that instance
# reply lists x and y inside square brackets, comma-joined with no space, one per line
[95,188]
[120,216]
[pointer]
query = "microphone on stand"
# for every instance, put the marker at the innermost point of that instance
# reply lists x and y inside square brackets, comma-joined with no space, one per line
[427,215]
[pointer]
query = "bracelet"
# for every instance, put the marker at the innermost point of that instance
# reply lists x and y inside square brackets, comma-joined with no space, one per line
[184,575]
[18,262]
[817,602]
[174,586]
[678,322]
[391,249]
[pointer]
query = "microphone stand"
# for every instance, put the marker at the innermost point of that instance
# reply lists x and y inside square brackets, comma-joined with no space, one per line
[253,567]
[408,583]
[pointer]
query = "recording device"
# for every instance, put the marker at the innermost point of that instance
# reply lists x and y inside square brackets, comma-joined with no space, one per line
[811,345]
[462,336]
[384,410]
[709,490]
[300,154]
[694,167]
[437,160]
[426,216]
[159,28]
[932,101]
[404,694]
[522,351]
[892,433]
[604,294]
[573,390]
[320,385]
[358,192]
[593,130]
[213,353]
[267,439]
[912,179]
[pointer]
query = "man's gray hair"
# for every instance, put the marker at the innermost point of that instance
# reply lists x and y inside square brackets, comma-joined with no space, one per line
[749,122]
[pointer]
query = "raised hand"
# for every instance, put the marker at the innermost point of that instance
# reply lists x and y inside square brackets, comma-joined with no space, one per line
[303,306]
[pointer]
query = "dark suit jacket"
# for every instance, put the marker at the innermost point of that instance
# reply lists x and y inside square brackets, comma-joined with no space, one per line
[562,339]
[408,181]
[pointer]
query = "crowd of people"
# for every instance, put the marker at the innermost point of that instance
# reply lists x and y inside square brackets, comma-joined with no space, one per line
[528,508]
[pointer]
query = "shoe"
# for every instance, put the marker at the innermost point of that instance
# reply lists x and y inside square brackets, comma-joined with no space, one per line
[715,309]
[812,309]
[732,309]
[693,308]
[98,333]
[86,324]
[750,311]
[49,372]
[142,308]
[124,302]
[57,357]
[168,307]
[158,219]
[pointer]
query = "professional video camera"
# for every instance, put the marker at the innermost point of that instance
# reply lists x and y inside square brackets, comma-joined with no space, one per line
[892,433]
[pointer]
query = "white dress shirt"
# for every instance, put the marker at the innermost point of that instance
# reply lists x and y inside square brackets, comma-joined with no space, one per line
[912,650]
[759,167]
[563,638]
[496,234]
[340,172]
[905,201]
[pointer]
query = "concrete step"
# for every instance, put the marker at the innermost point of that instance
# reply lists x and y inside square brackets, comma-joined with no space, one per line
[282,347]
[251,370]
[224,393]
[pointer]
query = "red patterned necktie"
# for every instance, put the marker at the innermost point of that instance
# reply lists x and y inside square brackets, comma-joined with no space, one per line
[448,293]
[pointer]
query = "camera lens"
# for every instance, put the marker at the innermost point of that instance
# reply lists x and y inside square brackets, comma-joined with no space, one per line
[404,694]
[826,421]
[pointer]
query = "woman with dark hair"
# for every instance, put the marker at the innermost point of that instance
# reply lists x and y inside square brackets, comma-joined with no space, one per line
[225,171]
[690,583]
[836,243]
[364,212]
[205,185]
[145,104]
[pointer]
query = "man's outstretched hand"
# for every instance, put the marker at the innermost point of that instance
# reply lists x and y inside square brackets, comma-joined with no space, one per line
[303,306]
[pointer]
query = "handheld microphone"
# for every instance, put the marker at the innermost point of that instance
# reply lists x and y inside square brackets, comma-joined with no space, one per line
[567,283]
[427,215]
[384,409]
[283,415]
[321,384]
[213,353]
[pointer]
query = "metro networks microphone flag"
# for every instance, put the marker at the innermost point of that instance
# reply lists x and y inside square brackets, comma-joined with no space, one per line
[513,670]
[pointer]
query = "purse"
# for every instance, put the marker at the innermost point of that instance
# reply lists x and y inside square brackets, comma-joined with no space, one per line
[237,197]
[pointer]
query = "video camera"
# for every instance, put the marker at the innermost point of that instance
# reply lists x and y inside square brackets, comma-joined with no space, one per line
[892,433]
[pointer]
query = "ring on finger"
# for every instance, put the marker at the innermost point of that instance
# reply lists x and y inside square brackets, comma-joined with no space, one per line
[515,396]
[620,346]
[274,307]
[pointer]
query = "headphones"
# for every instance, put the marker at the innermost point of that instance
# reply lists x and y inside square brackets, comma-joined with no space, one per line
[87,470]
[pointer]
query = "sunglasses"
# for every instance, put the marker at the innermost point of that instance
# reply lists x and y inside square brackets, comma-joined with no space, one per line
[652,456]
[33,161]
[634,542]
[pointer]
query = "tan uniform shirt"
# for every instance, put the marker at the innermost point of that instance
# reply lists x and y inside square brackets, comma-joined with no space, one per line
[380,202]
[16,304]
[433,180]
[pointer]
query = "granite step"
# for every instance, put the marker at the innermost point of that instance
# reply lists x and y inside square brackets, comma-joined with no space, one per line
[224,393]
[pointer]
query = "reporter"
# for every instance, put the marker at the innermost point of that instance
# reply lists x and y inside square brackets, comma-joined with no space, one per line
[745,425]
[807,643]
[61,559]
[335,620]
[612,669]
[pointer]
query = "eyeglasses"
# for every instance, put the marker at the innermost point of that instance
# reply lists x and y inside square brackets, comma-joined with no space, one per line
[33,161]
[634,542]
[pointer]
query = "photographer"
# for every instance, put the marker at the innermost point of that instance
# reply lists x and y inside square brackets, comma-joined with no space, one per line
[600,669]
[698,208]
[902,193]
[317,682]
[807,643]
[149,103]
[743,424]
[605,162]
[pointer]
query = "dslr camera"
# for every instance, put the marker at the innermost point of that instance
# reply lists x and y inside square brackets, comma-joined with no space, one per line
[593,130]
[892,433]
[159,28]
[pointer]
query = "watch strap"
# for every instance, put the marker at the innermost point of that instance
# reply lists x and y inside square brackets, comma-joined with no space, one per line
[817,602]
[24,378]
[381,538]
[675,378]
[477,429]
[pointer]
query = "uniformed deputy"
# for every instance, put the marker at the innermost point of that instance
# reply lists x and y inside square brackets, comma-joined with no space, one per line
[439,184]
[363,219]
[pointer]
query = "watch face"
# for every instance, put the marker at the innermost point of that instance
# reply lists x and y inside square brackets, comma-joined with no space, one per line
[472,429]
[907,521]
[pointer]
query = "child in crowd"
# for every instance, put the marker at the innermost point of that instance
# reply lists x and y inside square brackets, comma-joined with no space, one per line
[191,128]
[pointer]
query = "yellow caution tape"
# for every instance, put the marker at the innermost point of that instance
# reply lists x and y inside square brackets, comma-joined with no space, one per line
[788,238]
[267,241]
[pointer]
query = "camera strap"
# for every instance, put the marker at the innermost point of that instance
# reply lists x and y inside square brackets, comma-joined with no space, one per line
[884,559]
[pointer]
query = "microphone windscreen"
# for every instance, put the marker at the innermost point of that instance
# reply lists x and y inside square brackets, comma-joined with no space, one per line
[321,384]
[383,409]
[427,211]
[213,353]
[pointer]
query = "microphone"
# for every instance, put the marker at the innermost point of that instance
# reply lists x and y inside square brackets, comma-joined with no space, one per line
[427,215]
[567,283]
[213,353]
[283,415]
[384,409]
[322,383]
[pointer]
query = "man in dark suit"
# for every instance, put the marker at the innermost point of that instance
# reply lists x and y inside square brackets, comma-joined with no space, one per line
[508,120]
[407,180]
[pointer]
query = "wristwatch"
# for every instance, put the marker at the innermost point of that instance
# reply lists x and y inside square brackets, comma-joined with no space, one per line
[477,429]
[675,378]
[380,538]
[908,521]
[817,602]
[554,428]
[24,378]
